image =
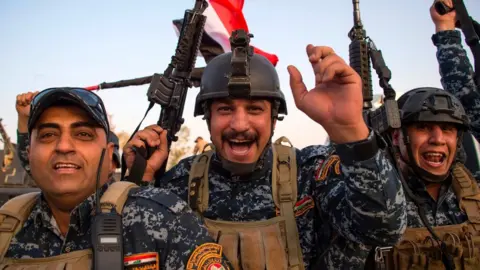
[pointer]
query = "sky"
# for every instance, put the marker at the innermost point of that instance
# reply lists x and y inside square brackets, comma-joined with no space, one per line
[81,43]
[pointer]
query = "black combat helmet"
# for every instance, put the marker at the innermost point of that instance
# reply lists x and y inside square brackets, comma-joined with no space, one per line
[240,74]
[428,104]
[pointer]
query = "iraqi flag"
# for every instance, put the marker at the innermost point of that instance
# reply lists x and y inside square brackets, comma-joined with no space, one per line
[223,16]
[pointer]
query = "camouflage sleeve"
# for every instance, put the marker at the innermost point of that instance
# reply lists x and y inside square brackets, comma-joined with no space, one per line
[160,220]
[457,74]
[365,202]
[22,143]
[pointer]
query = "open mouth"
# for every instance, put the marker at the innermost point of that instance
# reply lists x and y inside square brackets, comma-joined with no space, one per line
[434,159]
[65,167]
[240,147]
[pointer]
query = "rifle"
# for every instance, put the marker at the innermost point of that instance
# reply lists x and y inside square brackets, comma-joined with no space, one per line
[362,49]
[359,58]
[169,89]
[470,29]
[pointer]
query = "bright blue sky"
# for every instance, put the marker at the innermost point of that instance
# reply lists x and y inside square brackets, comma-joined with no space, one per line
[78,43]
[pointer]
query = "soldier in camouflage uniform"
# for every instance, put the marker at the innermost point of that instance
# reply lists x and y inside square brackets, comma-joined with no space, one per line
[23,109]
[348,190]
[68,129]
[443,198]
[441,201]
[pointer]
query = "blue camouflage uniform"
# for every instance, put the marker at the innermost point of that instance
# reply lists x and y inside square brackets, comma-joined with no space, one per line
[358,200]
[154,220]
[457,74]
[457,78]
[444,211]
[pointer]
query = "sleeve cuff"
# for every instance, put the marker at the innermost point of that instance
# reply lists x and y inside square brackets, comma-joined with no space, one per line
[21,134]
[447,37]
[351,153]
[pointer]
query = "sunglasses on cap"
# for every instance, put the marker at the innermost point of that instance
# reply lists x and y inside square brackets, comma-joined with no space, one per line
[88,100]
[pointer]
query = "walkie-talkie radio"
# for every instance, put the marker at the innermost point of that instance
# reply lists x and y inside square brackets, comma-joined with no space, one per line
[107,234]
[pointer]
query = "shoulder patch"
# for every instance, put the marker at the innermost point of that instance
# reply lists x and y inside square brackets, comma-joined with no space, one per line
[207,257]
[142,261]
[161,197]
[301,207]
[325,167]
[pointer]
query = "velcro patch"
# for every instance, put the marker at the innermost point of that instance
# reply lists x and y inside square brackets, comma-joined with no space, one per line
[325,167]
[142,261]
[207,256]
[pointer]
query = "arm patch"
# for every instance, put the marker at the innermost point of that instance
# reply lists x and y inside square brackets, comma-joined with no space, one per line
[325,167]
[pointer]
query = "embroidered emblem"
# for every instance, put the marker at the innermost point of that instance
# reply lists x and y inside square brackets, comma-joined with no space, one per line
[142,261]
[324,167]
[301,207]
[207,256]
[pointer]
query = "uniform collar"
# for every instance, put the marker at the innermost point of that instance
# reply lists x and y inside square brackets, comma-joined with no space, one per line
[80,216]
[419,187]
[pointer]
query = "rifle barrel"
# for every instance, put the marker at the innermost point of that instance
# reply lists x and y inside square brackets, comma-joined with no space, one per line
[356,13]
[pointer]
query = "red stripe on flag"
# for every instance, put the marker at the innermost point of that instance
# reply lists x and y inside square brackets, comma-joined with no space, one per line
[139,257]
[230,14]
[223,17]
[271,57]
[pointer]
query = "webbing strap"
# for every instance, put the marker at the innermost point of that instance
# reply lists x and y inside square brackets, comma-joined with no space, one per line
[115,196]
[284,186]
[198,182]
[468,193]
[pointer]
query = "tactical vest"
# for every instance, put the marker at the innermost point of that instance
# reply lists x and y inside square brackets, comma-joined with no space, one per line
[418,250]
[14,213]
[271,244]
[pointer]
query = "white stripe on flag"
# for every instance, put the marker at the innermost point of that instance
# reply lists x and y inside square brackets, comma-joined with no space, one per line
[141,261]
[216,30]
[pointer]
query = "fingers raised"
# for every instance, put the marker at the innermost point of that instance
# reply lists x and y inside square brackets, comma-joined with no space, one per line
[299,90]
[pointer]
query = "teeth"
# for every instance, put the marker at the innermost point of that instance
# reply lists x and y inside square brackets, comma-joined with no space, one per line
[66,165]
[238,141]
[432,154]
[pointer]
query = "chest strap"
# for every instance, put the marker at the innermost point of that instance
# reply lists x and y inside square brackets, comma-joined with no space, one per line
[115,196]
[284,191]
[467,191]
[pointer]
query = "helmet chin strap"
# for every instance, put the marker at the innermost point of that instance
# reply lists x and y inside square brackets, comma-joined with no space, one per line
[420,172]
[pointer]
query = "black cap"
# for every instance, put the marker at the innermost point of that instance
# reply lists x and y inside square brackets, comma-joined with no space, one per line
[87,100]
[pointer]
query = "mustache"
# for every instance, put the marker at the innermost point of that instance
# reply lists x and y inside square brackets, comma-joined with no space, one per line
[244,135]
